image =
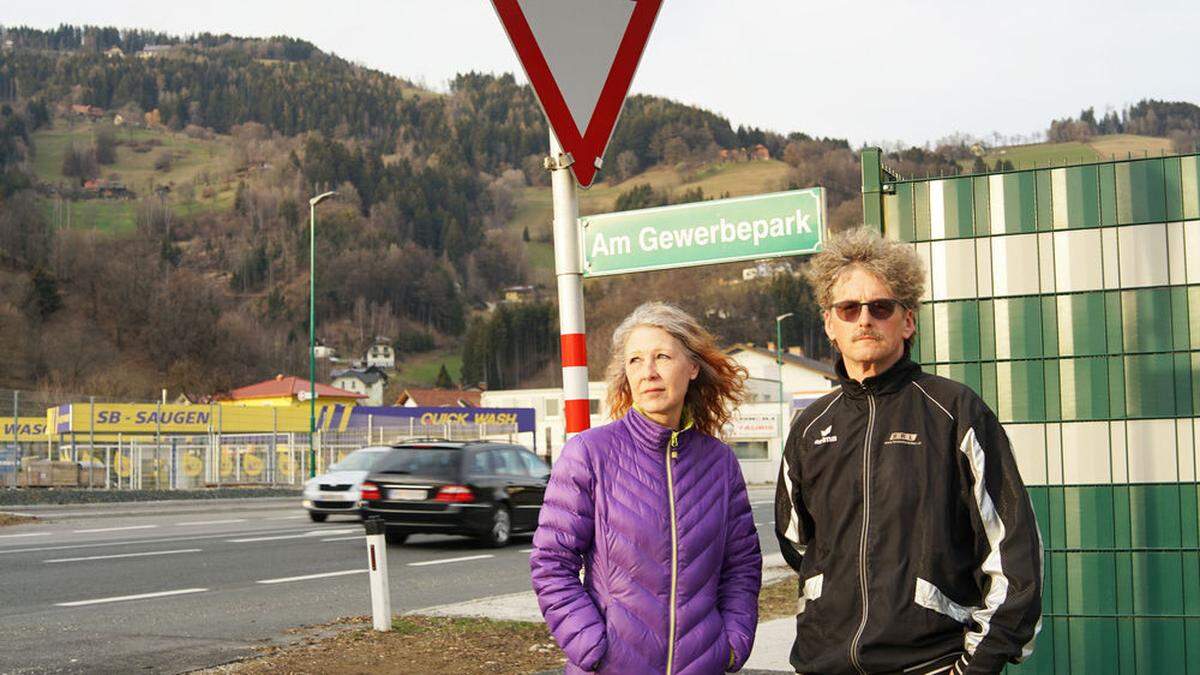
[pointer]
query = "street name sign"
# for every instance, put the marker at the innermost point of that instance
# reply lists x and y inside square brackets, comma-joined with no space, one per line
[704,233]
[580,57]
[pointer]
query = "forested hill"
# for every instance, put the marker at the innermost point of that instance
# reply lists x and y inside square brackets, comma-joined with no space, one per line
[193,275]
[217,82]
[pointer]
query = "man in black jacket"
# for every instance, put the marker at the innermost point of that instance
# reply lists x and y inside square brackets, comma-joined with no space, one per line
[899,502]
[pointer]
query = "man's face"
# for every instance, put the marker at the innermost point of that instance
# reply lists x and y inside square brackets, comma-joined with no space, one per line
[869,344]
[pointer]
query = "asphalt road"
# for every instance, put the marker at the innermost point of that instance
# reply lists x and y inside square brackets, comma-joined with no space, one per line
[175,588]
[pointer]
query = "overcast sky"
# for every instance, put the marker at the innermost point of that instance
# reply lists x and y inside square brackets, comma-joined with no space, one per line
[911,71]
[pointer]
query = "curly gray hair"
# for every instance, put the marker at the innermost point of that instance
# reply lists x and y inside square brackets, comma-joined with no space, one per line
[895,263]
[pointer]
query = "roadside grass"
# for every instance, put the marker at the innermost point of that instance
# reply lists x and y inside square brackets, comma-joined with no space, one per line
[444,645]
[429,645]
[10,519]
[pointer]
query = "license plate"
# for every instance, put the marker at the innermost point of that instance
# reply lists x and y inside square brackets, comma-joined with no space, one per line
[407,494]
[335,497]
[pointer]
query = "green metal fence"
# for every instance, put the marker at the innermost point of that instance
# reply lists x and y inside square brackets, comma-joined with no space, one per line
[1069,298]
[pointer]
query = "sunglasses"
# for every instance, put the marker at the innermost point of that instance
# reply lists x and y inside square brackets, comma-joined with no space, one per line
[881,309]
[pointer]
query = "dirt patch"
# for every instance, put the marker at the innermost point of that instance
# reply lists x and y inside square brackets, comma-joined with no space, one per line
[441,645]
[778,599]
[433,645]
[9,519]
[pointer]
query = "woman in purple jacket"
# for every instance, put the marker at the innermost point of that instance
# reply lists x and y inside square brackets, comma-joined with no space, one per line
[655,510]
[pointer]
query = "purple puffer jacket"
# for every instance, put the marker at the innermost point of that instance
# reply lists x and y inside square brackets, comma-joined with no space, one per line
[645,602]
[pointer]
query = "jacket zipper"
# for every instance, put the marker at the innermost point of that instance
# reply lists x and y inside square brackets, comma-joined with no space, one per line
[862,544]
[671,454]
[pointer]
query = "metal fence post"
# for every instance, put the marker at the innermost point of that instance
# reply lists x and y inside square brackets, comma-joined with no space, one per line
[16,449]
[218,447]
[91,435]
[158,446]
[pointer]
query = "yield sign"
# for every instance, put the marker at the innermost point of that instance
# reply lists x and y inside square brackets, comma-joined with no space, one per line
[580,56]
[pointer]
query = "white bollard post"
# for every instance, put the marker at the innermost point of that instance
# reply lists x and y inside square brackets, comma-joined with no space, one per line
[381,597]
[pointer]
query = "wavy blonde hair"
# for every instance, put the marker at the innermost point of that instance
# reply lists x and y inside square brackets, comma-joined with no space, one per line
[717,390]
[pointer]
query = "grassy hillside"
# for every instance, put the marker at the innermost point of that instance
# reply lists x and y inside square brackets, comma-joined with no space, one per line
[1095,149]
[421,370]
[1120,146]
[206,164]
[535,208]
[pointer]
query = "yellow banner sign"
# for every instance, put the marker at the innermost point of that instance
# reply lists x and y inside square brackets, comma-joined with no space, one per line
[149,419]
[25,429]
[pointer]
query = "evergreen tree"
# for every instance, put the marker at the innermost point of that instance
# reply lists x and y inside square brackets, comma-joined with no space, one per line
[443,379]
[45,298]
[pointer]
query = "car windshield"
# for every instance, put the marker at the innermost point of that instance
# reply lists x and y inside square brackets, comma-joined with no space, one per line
[359,460]
[428,462]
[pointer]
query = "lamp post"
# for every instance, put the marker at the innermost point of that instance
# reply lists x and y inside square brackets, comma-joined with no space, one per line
[312,321]
[779,360]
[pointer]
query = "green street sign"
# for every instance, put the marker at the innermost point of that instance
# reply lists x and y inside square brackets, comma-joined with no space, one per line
[704,233]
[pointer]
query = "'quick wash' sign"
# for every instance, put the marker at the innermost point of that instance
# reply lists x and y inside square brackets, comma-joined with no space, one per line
[703,233]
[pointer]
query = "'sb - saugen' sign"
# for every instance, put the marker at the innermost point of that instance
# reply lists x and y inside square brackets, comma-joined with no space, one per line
[703,233]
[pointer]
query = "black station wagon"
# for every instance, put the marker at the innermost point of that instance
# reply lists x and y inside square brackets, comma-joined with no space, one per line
[481,489]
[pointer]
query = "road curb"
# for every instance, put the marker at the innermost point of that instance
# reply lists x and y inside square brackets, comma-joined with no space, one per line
[165,506]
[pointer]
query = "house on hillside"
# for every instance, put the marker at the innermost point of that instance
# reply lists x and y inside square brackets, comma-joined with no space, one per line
[519,294]
[114,52]
[760,151]
[369,381]
[151,51]
[322,351]
[382,354]
[766,269]
[107,189]
[89,111]
[439,398]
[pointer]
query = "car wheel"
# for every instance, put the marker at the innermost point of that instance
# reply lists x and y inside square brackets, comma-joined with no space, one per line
[317,517]
[394,537]
[501,528]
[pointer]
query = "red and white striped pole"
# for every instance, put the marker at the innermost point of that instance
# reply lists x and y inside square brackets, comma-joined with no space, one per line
[568,265]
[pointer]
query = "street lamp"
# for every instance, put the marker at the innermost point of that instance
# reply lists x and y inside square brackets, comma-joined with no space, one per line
[779,359]
[312,320]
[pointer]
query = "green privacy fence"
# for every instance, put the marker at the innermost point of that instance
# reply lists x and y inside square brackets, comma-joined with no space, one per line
[1069,298]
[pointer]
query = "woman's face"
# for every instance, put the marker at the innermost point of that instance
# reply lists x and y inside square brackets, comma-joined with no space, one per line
[658,369]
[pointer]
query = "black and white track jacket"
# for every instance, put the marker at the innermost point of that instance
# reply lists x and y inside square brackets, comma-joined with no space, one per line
[900,507]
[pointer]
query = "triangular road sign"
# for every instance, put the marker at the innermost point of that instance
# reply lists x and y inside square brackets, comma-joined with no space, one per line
[580,56]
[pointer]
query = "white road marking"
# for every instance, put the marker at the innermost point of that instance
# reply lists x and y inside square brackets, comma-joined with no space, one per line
[116,529]
[450,560]
[127,542]
[123,555]
[769,501]
[27,534]
[211,522]
[526,550]
[286,517]
[357,536]
[306,577]
[310,533]
[122,598]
